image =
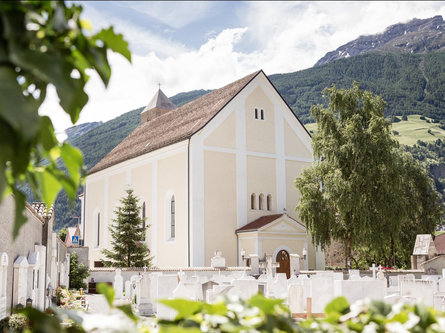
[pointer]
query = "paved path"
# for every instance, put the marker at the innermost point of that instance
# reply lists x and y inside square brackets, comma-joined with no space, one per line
[97,303]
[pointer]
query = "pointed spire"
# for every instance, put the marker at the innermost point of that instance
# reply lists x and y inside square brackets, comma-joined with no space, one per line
[157,106]
[161,101]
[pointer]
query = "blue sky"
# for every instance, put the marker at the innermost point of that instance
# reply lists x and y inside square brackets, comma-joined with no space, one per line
[194,45]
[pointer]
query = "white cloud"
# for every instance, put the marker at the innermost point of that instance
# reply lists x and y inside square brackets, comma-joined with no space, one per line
[276,37]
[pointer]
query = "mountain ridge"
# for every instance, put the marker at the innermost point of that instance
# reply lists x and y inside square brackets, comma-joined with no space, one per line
[415,36]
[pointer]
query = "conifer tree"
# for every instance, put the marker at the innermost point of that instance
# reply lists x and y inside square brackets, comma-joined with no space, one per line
[127,233]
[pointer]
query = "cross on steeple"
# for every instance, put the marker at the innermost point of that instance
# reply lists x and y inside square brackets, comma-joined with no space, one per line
[159,84]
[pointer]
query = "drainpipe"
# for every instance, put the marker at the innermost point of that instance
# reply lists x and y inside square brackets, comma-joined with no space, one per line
[82,214]
[188,203]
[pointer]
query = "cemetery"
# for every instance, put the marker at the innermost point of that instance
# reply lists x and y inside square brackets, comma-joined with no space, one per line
[306,293]
[221,210]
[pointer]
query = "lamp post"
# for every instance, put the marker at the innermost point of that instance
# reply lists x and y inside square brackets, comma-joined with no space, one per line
[243,258]
[305,257]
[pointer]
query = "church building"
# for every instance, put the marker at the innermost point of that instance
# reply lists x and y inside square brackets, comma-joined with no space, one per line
[216,174]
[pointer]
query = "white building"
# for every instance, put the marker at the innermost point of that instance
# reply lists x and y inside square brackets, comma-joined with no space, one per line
[214,174]
[32,265]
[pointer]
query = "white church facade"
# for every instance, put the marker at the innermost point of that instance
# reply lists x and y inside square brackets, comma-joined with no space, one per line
[214,174]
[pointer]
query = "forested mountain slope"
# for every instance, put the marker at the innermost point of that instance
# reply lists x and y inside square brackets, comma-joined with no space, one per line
[409,83]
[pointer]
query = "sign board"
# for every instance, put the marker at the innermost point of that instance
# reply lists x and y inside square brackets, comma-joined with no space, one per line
[75,239]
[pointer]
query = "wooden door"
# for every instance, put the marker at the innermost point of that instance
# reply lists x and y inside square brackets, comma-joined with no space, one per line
[284,261]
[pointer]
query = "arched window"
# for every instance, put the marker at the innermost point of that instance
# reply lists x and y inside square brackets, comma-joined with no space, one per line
[269,202]
[262,114]
[256,113]
[143,219]
[98,230]
[172,217]
[261,202]
[253,201]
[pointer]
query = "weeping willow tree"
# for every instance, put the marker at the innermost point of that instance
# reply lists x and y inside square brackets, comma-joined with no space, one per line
[362,190]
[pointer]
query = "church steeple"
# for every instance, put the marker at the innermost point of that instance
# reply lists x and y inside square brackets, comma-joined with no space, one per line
[157,106]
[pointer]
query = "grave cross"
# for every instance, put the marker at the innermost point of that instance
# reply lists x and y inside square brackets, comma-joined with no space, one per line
[269,266]
[374,269]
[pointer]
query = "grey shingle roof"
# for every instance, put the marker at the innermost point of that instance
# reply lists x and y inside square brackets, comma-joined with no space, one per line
[173,126]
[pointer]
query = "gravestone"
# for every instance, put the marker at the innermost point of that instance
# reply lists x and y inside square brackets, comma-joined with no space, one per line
[244,288]
[434,278]
[322,292]
[354,274]
[128,289]
[218,261]
[135,288]
[145,305]
[296,298]
[118,284]
[3,282]
[166,285]
[439,302]
[217,291]
[420,290]
[269,266]
[405,277]
[354,290]
[279,286]
[207,286]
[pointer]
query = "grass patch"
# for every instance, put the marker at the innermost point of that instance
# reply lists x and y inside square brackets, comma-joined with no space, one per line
[409,131]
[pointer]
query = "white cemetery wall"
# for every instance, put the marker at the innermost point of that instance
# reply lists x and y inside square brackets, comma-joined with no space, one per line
[29,235]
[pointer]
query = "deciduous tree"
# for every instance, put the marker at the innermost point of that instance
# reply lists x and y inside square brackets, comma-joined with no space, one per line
[362,190]
[78,273]
[45,43]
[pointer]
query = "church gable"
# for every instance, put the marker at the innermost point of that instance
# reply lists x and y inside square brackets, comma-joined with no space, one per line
[284,224]
[260,120]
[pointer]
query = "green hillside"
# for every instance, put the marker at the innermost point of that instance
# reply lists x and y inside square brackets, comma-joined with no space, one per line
[410,84]
[409,131]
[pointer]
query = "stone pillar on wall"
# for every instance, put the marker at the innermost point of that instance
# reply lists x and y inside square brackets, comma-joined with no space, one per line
[254,264]
[294,264]
[20,281]
[4,260]
[33,278]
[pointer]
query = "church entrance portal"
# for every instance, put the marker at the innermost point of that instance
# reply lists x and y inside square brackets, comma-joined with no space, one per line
[284,260]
